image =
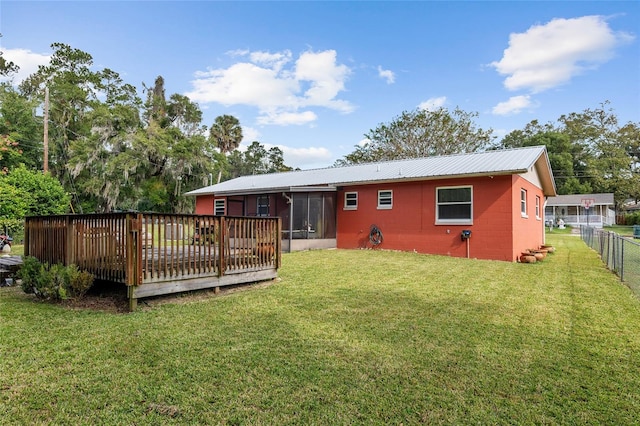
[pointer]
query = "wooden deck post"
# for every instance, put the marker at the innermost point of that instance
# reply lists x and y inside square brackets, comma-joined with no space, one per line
[26,237]
[278,243]
[133,258]
[221,238]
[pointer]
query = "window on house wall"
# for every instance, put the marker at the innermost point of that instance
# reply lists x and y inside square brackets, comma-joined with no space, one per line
[454,205]
[537,207]
[350,200]
[523,202]
[263,205]
[219,207]
[385,199]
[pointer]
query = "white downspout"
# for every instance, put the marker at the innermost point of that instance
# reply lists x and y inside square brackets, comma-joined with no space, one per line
[290,202]
[544,221]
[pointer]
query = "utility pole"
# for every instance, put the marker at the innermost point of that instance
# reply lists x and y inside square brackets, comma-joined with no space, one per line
[46,129]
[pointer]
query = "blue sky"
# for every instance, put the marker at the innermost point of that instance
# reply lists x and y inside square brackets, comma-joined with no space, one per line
[314,77]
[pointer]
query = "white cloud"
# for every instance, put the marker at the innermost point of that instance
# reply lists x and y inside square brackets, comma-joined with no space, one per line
[249,134]
[387,75]
[243,84]
[364,142]
[549,55]
[288,118]
[27,60]
[305,157]
[325,77]
[514,105]
[272,60]
[275,84]
[433,103]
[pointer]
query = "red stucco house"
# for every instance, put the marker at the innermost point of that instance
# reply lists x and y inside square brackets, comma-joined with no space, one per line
[487,205]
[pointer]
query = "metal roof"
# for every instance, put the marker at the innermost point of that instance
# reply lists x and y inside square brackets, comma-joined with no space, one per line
[576,199]
[500,162]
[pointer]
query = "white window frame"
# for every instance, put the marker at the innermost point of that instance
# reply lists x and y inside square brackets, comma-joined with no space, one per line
[538,207]
[465,221]
[523,202]
[383,204]
[350,201]
[219,203]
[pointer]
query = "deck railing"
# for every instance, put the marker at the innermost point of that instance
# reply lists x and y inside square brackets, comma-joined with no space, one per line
[142,248]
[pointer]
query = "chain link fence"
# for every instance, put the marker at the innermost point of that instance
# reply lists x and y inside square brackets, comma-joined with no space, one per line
[621,254]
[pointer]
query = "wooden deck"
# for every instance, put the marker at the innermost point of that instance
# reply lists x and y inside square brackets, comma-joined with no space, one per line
[9,266]
[155,254]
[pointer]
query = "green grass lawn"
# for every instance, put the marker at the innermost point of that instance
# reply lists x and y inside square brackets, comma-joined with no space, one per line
[625,230]
[16,250]
[346,337]
[558,231]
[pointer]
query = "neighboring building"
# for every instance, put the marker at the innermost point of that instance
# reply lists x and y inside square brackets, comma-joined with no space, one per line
[423,205]
[571,209]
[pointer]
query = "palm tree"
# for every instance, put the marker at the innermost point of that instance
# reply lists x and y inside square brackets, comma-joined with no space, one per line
[226,133]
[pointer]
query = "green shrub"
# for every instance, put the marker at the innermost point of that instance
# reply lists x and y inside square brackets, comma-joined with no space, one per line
[58,279]
[632,218]
[79,281]
[56,282]
[32,272]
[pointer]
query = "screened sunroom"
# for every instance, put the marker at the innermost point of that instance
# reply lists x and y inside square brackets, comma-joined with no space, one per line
[308,214]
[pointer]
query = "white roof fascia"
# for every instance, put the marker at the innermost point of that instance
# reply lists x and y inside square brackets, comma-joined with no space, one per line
[276,190]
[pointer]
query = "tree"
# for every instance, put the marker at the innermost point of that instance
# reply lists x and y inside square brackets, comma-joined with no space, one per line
[27,192]
[13,206]
[97,160]
[421,133]
[589,151]
[178,155]
[108,148]
[74,93]
[7,67]
[148,164]
[612,166]
[20,133]
[629,136]
[169,155]
[276,161]
[255,160]
[226,133]
[565,157]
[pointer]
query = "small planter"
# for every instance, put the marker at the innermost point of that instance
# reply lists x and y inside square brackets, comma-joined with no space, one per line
[549,249]
[528,258]
[539,254]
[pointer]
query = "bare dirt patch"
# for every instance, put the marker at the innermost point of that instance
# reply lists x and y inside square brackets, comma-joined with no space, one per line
[106,298]
[116,301]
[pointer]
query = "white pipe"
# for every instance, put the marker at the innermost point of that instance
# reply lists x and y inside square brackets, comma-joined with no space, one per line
[290,202]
